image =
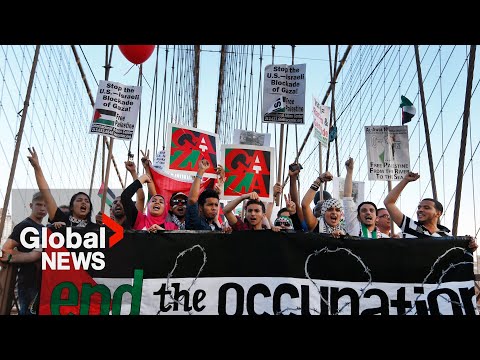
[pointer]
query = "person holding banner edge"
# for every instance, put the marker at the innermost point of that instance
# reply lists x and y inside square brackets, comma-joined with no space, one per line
[428,214]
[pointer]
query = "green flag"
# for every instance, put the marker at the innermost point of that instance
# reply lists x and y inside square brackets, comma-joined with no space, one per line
[408,110]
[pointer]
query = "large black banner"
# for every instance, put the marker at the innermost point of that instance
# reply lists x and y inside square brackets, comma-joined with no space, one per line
[261,272]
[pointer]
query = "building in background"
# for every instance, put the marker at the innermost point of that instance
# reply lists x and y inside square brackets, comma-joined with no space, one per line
[7,229]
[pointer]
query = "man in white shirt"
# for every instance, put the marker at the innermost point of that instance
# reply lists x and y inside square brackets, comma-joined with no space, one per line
[360,221]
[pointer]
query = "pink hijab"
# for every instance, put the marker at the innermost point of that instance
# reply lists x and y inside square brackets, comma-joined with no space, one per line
[145,221]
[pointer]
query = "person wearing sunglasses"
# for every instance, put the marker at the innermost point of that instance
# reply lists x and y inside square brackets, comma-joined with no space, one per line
[284,223]
[177,211]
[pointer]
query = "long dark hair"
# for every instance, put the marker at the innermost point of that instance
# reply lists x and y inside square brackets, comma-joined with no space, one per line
[70,206]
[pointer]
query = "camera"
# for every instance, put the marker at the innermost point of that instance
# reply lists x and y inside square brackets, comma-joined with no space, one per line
[295,167]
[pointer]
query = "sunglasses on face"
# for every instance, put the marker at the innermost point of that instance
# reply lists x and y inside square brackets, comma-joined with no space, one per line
[179,201]
[386,216]
[282,223]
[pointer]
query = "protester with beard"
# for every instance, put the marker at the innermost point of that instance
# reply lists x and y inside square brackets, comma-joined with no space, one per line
[178,206]
[117,213]
[80,206]
[360,221]
[428,214]
[331,215]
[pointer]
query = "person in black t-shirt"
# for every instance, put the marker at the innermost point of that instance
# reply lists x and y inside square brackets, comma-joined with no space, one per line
[28,260]
[117,213]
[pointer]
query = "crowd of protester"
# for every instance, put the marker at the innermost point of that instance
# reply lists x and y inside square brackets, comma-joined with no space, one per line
[199,210]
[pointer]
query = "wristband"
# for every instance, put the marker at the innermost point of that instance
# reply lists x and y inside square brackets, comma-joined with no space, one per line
[314,186]
[198,176]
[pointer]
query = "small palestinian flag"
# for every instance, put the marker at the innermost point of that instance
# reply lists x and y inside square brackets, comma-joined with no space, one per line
[103,116]
[408,110]
[110,195]
[332,135]
[278,105]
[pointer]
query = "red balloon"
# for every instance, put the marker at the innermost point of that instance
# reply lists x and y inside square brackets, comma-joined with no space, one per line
[137,54]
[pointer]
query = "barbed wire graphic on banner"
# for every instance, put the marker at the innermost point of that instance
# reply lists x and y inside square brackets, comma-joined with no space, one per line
[327,251]
[170,274]
[444,272]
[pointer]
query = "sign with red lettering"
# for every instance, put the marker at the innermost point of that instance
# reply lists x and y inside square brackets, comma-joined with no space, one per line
[321,116]
[248,168]
[187,146]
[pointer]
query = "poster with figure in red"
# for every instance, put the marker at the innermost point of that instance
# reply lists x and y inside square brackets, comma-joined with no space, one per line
[248,168]
[187,146]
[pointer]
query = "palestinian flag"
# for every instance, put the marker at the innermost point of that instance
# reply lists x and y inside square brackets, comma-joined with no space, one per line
[332,135]
[278,105]
[110,194]
[103,116]
[408,110]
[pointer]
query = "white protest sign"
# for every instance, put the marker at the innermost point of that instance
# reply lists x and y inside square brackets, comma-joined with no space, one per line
[284,94]
[116,110]
[251,138]
[358,189]
[387,152]
[159,161]
[321,117]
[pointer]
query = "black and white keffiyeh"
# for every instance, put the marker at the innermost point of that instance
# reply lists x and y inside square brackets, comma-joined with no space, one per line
[323,227]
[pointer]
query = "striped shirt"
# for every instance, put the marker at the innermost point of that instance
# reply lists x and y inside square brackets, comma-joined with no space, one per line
[412,229]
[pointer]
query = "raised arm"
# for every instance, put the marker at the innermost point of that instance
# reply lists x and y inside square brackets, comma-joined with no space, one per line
[395,214]
[140,203]
[195,188]
[42,184]
[294,191]
[126,198]
[228,209]
[347,190]
[218,188]
[310,219]
[152,191]
[277,189]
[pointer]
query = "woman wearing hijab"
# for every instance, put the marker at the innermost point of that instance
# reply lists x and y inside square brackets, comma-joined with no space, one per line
[330,220]
[156,214]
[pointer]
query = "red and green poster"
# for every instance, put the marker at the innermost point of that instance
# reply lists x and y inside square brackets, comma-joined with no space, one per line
[187,146]
[248,168]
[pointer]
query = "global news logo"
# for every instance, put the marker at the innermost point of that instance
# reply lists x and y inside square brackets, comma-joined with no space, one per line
[55,246]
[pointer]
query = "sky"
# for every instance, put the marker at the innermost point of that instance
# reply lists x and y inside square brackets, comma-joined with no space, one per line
[367,105]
